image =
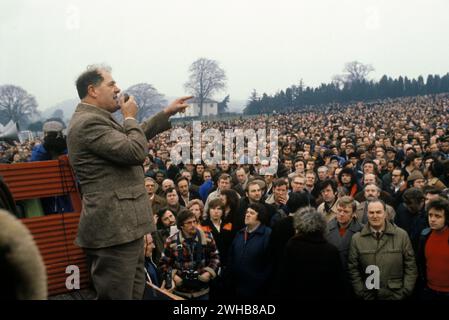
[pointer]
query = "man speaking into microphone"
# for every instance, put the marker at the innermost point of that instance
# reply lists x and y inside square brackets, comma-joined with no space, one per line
[107,158]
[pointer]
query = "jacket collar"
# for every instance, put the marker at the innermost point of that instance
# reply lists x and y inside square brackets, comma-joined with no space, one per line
[200,234]
[333,224]
[84,107]
[389,229]
[260,229]
[157,199]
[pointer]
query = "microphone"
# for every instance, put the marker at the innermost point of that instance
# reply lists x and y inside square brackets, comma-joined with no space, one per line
[126,96]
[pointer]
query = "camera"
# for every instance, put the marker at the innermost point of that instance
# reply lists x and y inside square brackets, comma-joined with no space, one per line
[191,282]
[190,275]
[168,279]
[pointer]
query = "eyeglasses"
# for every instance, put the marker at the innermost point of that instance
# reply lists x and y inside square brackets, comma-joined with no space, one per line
[191,222]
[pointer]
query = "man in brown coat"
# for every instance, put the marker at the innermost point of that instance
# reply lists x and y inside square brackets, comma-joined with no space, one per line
[107,158]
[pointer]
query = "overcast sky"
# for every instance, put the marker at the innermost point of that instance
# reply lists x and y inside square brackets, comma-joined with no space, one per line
[266,45]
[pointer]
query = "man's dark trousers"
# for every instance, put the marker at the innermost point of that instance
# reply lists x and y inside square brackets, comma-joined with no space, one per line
[118,272]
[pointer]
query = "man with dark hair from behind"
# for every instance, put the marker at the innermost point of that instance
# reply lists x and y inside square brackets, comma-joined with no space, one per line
[284,230]
[311,268]
[108,160]
[22,275]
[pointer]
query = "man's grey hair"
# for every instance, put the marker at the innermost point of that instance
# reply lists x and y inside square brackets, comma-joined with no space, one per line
[90,77]
[156,185]
[372,184]
[309,220]
[99,66]
[168,180]
[323,168]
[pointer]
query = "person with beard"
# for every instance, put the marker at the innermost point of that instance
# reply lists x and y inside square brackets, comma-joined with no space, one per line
[166,220]
[54,146]
[54,143]
[347,179]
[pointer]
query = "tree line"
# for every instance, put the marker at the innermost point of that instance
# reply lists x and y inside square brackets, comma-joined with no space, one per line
[297,96]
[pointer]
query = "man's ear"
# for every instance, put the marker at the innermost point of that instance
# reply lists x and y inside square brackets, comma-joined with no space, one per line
[91,91]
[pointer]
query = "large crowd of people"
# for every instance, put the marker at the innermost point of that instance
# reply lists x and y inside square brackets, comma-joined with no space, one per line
[356,186]
[357,208]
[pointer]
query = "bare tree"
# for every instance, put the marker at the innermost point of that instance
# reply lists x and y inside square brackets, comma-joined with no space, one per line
[206,78]
[16,104]
[149,100]
[354,71]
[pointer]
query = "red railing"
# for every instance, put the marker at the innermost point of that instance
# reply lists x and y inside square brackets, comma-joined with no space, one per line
[54,234]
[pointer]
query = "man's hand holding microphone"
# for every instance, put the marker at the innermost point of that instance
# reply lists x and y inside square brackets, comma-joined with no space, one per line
[129,107]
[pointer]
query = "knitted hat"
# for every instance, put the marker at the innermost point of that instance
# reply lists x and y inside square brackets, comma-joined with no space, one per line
[53,126]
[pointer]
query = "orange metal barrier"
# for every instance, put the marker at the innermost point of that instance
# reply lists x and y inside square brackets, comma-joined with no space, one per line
[54,234]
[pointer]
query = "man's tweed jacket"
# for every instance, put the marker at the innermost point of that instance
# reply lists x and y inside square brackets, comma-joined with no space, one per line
[107,158]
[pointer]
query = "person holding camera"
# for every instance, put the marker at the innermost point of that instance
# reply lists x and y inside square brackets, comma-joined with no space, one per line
[54,145]
[190,259]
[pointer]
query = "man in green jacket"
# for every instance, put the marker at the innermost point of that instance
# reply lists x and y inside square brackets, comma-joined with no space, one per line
[381,259]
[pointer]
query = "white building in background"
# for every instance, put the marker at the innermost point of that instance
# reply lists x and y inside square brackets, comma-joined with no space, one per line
[210,108]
